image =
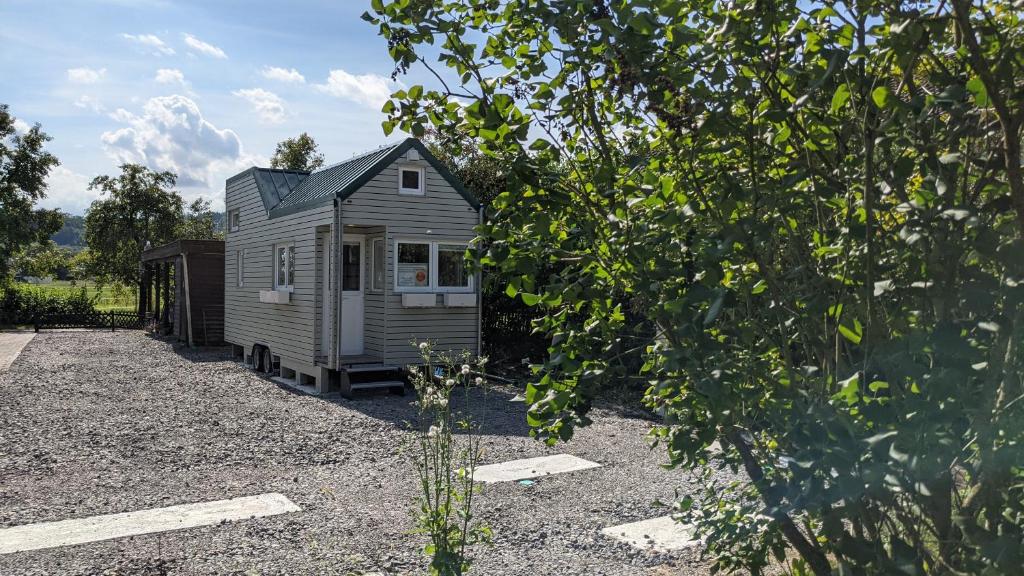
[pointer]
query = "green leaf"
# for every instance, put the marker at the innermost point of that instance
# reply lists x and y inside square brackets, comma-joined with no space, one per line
[880,96]
[977,89]
[715,309]
[840,98]
[849,390]
[852,334]
[530,299]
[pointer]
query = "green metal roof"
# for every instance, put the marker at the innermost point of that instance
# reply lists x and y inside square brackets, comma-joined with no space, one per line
[275,185]
[342,179]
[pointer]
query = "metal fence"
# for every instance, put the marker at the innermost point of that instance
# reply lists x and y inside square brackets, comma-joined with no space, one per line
[112,320]
[506,329]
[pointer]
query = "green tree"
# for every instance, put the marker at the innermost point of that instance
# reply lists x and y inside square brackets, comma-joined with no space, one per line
[82,265]
[484,175]
[816,206]
[299,153]
[197,222]
[24,165]
[137,207]
[43,259]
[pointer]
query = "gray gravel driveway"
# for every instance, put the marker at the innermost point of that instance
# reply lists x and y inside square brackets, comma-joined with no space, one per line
[99,423]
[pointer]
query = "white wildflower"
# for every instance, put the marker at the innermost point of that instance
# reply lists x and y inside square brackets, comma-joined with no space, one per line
[449,382]
[465,369]
[479,381]
[423,345]
[433,431]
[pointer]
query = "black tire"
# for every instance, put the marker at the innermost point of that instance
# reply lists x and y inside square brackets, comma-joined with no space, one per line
[267,361]
[257,358]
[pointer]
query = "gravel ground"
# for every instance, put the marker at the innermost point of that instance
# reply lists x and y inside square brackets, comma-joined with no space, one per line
[99,423]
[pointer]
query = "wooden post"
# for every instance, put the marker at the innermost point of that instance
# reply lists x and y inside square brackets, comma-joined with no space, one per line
[111,320]
[167,289]
[156,300]
[143,290]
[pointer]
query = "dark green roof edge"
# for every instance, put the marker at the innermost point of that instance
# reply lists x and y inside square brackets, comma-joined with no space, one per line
[376,168]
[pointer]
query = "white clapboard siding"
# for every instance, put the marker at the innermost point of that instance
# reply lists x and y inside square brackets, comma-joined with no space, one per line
[290,330]
[293,330]
[440,214]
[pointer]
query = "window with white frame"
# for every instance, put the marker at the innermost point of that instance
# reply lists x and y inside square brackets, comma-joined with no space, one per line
[233,220]
[377,264]
[240,267]
[452,271]
[412,266]
[410,180]
[284,266]
[423,266]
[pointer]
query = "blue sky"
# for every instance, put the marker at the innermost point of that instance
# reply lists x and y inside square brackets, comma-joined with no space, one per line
[205,89]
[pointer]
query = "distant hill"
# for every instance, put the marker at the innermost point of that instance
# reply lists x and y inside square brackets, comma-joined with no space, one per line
[72,235]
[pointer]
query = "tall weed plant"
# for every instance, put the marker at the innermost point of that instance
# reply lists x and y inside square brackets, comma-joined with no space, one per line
[447,452]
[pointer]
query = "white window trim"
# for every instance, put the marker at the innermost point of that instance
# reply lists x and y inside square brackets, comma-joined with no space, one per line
[232,226]
[290,285]
[412,191]
[432,269]
[434,280]
[374,265]
[240,268]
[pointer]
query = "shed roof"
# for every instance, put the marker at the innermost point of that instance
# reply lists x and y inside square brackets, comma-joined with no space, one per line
[174,249]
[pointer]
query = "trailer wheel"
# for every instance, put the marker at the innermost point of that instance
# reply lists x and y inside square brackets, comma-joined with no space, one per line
[267,362]
[257,357]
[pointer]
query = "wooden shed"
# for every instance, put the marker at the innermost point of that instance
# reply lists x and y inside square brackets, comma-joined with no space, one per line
[184,290]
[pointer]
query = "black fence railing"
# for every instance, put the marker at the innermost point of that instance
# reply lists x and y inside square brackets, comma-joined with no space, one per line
[507,330]
[111,320]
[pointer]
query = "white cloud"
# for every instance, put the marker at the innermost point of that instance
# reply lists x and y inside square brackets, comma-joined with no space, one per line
[282,75]
[85,75]
[150,43]
[172,134]
[267,105]
[203,47]
[87,102]
[367,89]
[170,76]
[68,190]
[20,126]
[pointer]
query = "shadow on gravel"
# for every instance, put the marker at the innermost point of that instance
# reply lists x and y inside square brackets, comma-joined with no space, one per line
[492,408]
[196,354]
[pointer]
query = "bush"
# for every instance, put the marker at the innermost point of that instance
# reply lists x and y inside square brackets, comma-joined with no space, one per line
[21,304]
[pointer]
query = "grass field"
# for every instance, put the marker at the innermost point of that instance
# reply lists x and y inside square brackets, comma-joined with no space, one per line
[110,297]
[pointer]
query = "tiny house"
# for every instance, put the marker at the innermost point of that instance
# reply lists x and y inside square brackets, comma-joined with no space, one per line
[330,275]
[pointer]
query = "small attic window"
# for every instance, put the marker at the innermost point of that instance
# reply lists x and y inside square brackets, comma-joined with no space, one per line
[233,219]
[410,180]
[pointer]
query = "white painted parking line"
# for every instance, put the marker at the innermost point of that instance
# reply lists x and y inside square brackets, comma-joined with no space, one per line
[663,534]
[11,344]
[106,527]
[531,468]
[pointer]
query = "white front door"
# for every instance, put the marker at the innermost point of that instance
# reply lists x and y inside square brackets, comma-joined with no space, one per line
[326,295]
[352,294]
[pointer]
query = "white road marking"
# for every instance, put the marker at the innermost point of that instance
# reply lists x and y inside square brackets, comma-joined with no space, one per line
[106,527]
[11,344]
[531,468]
[663,534]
